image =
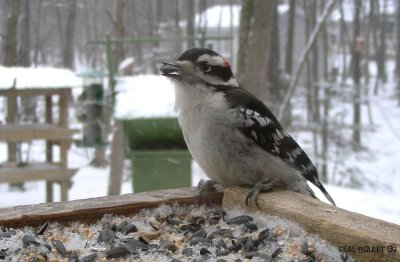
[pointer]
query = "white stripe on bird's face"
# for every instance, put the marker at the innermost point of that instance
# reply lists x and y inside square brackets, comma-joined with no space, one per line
[212,60]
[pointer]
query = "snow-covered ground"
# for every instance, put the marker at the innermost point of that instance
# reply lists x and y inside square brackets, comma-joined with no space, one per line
[134,100]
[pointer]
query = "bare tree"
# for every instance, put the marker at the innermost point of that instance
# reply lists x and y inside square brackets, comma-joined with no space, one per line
[190,23]
[10,59]
[290,36]
[69,48]
[246,15]
[256,77]
[307,30]
[356,56]
[382,48]
[398,50]
[10,38]
[326,104]
[37,33]
[314,88]
[275,89]
[118,30]
[310,43]
[24,46]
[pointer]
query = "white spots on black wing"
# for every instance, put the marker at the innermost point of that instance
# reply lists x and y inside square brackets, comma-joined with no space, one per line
[296,152]
[308,168]
[290,158]
[276,149]
[254,134]
[249,112]
[279,134]
[264,121]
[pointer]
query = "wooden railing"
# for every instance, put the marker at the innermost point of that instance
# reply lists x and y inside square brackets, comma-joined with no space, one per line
[364,238]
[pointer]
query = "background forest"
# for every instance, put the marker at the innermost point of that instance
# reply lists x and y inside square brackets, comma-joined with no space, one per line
[329,69]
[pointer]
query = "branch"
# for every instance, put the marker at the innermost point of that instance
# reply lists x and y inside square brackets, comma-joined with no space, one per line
[327,10]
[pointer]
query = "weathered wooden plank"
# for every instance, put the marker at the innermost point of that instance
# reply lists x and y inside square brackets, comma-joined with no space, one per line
[89,210]
[117,160]
[342,228]
[26,132]
[33,91]
[63,107]
[49,145]
[35,171]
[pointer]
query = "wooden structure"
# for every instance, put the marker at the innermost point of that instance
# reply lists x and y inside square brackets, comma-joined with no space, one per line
[346,230]
[52,132]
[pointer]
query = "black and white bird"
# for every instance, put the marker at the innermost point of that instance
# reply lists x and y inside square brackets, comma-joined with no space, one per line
[232,135]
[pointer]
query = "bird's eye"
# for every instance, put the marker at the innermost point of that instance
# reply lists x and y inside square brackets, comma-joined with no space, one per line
[204,67]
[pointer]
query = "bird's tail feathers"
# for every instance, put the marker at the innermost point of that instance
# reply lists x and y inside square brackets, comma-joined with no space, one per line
[323,190]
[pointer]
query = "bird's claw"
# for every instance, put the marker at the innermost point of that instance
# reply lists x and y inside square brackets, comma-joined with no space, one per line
[262,186]
[206,186]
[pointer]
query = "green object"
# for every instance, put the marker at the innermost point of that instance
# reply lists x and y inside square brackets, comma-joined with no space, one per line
[159,156]
[153,133]
[160,169]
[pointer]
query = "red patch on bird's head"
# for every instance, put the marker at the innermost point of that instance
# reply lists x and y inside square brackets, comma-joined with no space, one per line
[226,63]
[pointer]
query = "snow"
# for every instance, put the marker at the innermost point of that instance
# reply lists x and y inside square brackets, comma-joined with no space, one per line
[38,77]
[219,16]
[349,9]
[144,96]
[125,63]
[151,95]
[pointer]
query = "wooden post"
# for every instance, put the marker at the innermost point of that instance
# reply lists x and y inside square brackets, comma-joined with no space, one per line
[64,145]
[11,115]
[63,107]
[117,160]
[64,184]
[49,146]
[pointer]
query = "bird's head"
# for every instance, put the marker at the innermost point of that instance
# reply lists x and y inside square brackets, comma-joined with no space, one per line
[200,65]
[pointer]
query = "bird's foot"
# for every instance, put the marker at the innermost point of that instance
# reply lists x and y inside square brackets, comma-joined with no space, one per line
[206,186]
[260,187]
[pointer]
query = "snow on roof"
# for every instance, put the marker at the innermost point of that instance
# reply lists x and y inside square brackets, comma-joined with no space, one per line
[144,96]
[45,77]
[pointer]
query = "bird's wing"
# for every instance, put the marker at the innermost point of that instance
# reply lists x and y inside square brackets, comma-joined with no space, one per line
[259,124]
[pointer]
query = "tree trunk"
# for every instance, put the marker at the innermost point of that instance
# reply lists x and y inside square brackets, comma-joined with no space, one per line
[69,47]
[24,46]
[246,15]
[256,75]
[190,14]
[10,59]
[290,37]
[37,29]
[382,47]
[177,20]
[307,30]
[275,88]
[326,104]
[366,65]
[10,38]
[315,69]
[398,50]
[119,30]
[356,77]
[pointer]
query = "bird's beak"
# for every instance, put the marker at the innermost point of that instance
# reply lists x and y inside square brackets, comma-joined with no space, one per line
[171,70]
